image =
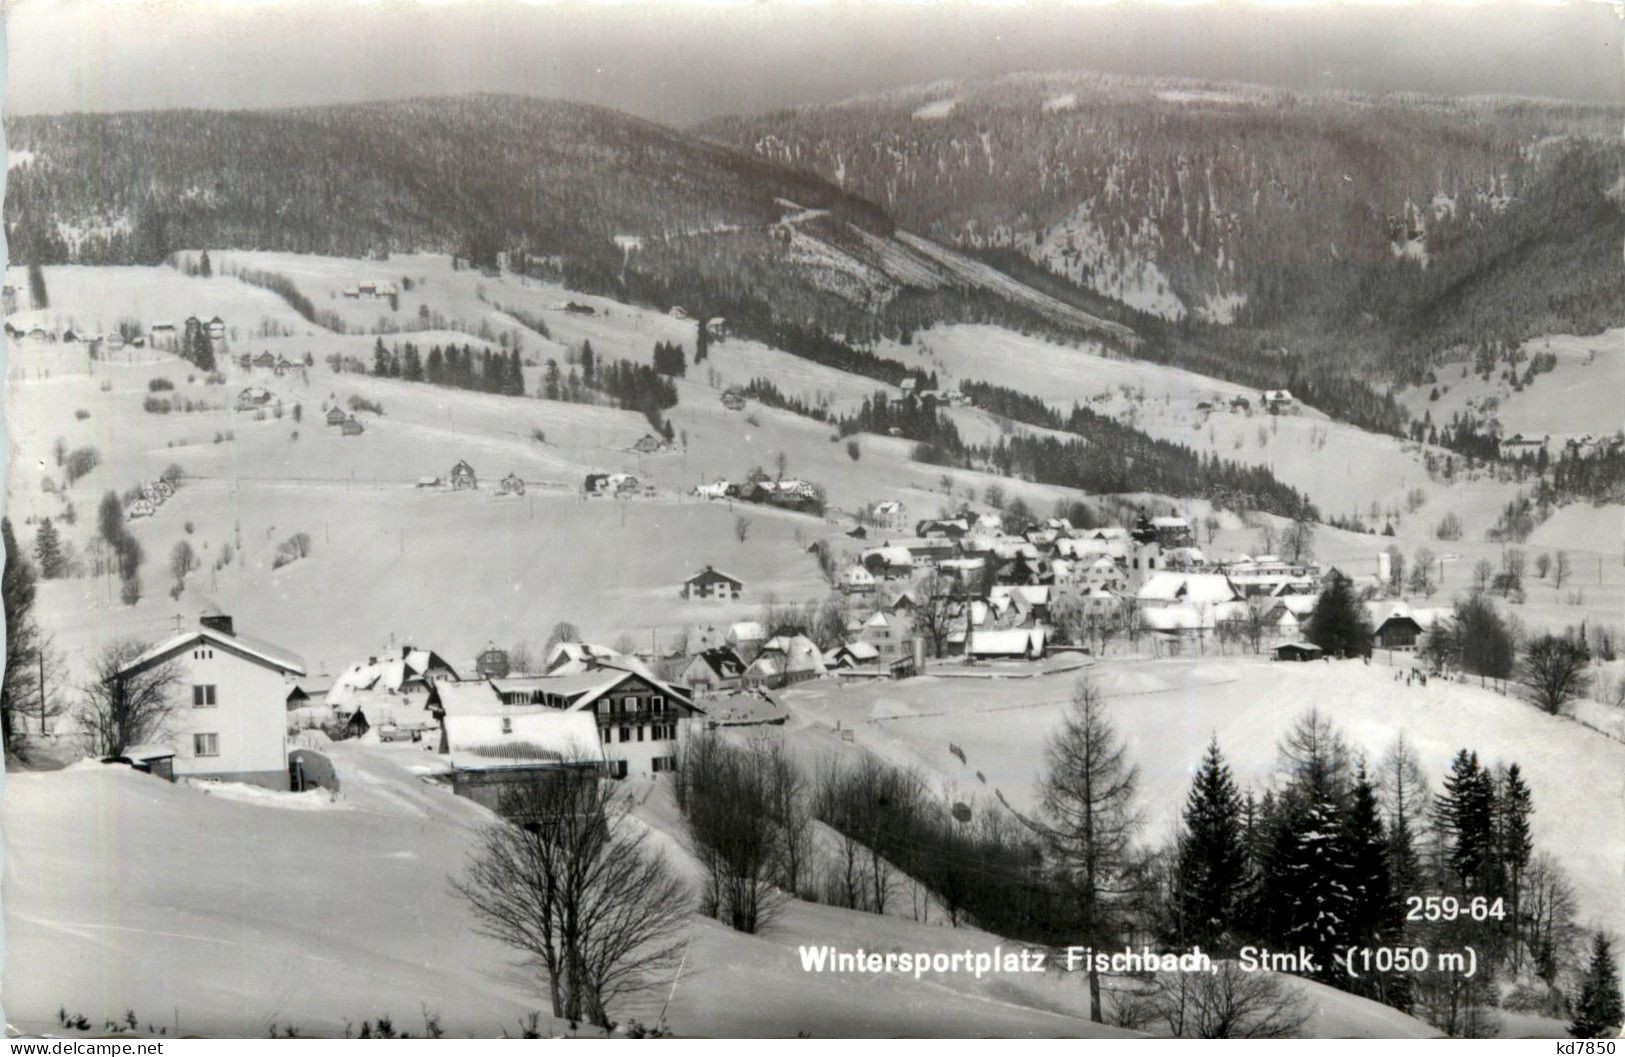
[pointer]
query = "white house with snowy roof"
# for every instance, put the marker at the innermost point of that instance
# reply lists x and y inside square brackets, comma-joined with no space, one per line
[229,716]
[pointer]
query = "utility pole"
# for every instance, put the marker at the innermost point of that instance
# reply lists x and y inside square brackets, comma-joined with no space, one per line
[42,691]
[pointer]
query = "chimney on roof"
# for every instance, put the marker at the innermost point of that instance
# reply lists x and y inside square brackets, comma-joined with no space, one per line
[217,622]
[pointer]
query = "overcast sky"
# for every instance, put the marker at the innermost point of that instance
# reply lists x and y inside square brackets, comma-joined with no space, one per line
[685,61]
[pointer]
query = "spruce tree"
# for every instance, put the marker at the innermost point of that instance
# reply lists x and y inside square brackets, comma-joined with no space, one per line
[37,295]
[1515,845]
[1466,817]
[1306,897]
[1339,623]
[1374,912]
[1598,1008]
[48,550]
[1211,866]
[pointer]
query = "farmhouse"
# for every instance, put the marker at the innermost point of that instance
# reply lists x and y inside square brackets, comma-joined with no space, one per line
[1276,400]
[511,485]
[569,658]
[217,329]
[253,397]
[404,670]
[852,655]
[943,528]
[714,669]
[462,476]
[231,721]
[649,444]
[1398,632]
[1399,626]
[494,757]
[888,633]
[336,416]
[857,580]
[142,507]
[889,562]
[890,514]
[733,401]
[492,663]
[640,718]
[783,660]
[265,359]
[1196,589]
[712,583]
[351,427]
[746,636]
[1021,643]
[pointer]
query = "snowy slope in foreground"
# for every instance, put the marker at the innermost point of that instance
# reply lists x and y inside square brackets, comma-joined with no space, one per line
[226,913]
[232,913]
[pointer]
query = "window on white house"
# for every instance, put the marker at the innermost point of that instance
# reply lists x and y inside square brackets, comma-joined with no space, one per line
[203,695]
[626,733]
[640,731]
[617,768]
[657,704]
[205,745]
[507,724]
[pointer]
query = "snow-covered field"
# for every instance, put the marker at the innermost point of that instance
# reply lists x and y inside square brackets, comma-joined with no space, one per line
[1167,710]
[1578,396]
[207,914]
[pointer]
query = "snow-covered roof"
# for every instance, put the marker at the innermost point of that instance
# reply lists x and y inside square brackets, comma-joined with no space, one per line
[143,753]
[746,631]
[524,739]
[468,699]
[1032,595]
[1195,588]
[569,657]
[1007,642]
[389,671]
[799,652]
[891,555]
[253,649]
[861,652]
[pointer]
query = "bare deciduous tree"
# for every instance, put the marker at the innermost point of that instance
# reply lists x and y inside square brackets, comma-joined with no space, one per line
[1553,672]
[569,881]
[126,703]
[1229,1003]
[725,792]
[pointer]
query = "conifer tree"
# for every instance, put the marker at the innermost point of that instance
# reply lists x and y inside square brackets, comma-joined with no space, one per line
[1516,846]
[1599,1009]
[1466,817]
[37,294]
[1339,623]
[48,550]
[1211,866]
[1088,798]
[1374,913]
[1306,897]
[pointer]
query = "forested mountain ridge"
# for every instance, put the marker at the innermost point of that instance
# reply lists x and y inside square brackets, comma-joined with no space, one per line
[610,202]
[1238,204]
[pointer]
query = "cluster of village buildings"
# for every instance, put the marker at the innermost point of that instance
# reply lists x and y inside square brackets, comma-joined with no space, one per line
[245,706]
[162,334]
